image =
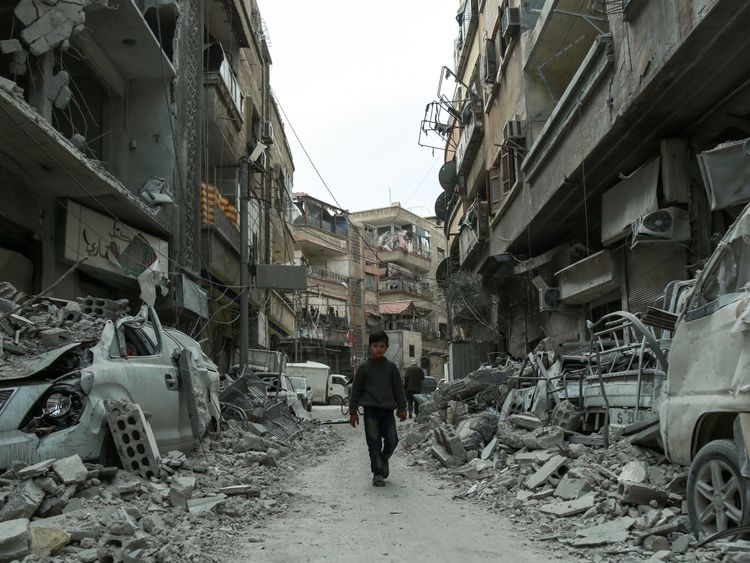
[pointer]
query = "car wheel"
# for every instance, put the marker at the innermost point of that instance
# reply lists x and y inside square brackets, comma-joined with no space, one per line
[717,494]
[335,400]
[309,406]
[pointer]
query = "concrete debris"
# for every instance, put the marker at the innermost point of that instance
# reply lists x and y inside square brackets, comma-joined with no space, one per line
[547,475]
[49,24]
[15,539]
[8,46]
[71,511]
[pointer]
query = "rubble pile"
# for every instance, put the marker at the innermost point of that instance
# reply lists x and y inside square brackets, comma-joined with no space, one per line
[555,484]
[31,330]
[87,512]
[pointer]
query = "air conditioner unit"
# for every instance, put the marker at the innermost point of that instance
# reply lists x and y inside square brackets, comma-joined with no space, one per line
[670,223]
[513,131]
[267,134]
[511,24]
[549,299]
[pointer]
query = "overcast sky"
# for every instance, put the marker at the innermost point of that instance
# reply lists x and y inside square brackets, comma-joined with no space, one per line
[353,78]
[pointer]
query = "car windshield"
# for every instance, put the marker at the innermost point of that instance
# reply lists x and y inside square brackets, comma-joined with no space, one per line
[299,383]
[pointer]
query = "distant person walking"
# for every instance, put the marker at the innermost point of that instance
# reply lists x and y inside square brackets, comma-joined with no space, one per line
[413,386]
[377,387]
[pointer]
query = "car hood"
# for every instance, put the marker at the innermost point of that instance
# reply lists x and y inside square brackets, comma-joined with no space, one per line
[36,366]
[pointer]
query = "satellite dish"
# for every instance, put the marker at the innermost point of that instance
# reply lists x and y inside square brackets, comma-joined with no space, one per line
[441,207]
[447,175]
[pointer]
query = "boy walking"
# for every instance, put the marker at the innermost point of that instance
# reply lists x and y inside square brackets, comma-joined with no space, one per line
[378,388]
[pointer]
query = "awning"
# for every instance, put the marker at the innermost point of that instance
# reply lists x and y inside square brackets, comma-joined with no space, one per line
[628,201]
[395,307]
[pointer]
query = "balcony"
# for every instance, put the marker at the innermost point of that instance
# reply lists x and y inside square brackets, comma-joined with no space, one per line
[474,230]
[282,314]
[315,241]
[390,288]
[468,20]
[471,135]
[328,282]
[224,79]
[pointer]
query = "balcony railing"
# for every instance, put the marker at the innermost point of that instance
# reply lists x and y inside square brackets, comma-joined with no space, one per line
[229,83]
[326,274]
[403,286]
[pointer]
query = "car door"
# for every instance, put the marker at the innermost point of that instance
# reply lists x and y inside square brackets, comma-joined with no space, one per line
[141,370]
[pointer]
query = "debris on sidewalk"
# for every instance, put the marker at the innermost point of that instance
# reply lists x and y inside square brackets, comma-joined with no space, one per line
[186,510]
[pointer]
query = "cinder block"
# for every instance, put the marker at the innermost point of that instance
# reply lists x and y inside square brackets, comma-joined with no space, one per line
[133,437]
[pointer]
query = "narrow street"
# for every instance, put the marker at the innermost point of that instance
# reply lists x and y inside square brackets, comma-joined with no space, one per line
[339,516]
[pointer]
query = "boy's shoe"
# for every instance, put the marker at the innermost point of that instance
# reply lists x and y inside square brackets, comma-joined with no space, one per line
[386,470]
[378,481]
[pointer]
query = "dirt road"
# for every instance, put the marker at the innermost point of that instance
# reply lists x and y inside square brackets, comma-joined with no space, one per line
[340,516]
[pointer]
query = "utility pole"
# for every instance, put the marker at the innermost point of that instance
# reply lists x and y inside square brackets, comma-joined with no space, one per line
[244,259]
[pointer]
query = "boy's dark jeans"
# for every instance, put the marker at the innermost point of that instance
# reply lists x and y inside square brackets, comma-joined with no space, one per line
[381,436]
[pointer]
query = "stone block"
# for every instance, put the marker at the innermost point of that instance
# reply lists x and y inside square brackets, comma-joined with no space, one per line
[656,543]
[546,437]
[15,539]
[534,457]
[8,46]
[48,541]
[180,491]
[640,493]
[552,467]
[36,470]
[633,472]
[526,421]
[681,543]
[26,11]
[23,502]
[53,337]
[570,488]
[71,469]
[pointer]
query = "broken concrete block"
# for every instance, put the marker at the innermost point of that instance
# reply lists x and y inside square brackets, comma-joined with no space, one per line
[569,508]
[656,543]
[204,504]
[640,493]
[53,337]
[122,525]
[566,415]
[71,469]
[240,490]
[255,443]
[552,467]
[526,421]
[36,470]
[681,543]
[133,437]
[8,46]
[26,12]
[15,539]
[570,488]
[663,555]
[534,458]
[456,447]
[633,471]
[257,429]
[546,437]
[23,502]
[48,541]
[489,448]
[181,490]
[616,530]
[445,458]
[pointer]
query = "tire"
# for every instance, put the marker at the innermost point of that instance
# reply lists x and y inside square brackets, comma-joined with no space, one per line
[335,400]
[717,493]
[308,407]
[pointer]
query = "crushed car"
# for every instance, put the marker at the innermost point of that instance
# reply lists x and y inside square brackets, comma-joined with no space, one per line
[53,404]
[705,413]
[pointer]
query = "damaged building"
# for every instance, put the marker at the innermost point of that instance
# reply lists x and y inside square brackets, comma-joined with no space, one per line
[124,125]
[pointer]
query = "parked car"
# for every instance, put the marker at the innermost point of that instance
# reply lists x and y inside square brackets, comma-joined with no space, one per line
[338,389]
[279,387]
[303,390]
[429,385]
[56,407]
[705,414]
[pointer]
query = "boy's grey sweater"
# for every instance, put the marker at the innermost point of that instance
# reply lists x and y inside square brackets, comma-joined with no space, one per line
[377,383]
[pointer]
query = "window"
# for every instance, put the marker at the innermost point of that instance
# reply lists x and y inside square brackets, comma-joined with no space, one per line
[440,254]
[412,351]
[728,273]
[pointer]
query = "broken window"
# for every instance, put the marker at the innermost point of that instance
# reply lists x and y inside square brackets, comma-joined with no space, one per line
[412,351]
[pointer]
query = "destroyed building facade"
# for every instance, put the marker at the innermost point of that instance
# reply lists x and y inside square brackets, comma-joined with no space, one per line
[121,128]
[577,180]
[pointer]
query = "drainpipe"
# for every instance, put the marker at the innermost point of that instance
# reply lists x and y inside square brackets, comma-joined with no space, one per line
[266,88]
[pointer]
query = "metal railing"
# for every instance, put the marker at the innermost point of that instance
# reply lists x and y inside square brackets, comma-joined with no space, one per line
[326,274]
[232,85]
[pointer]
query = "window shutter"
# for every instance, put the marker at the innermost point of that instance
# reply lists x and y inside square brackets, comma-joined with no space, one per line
[490,61]
[508,170]
[495,189]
